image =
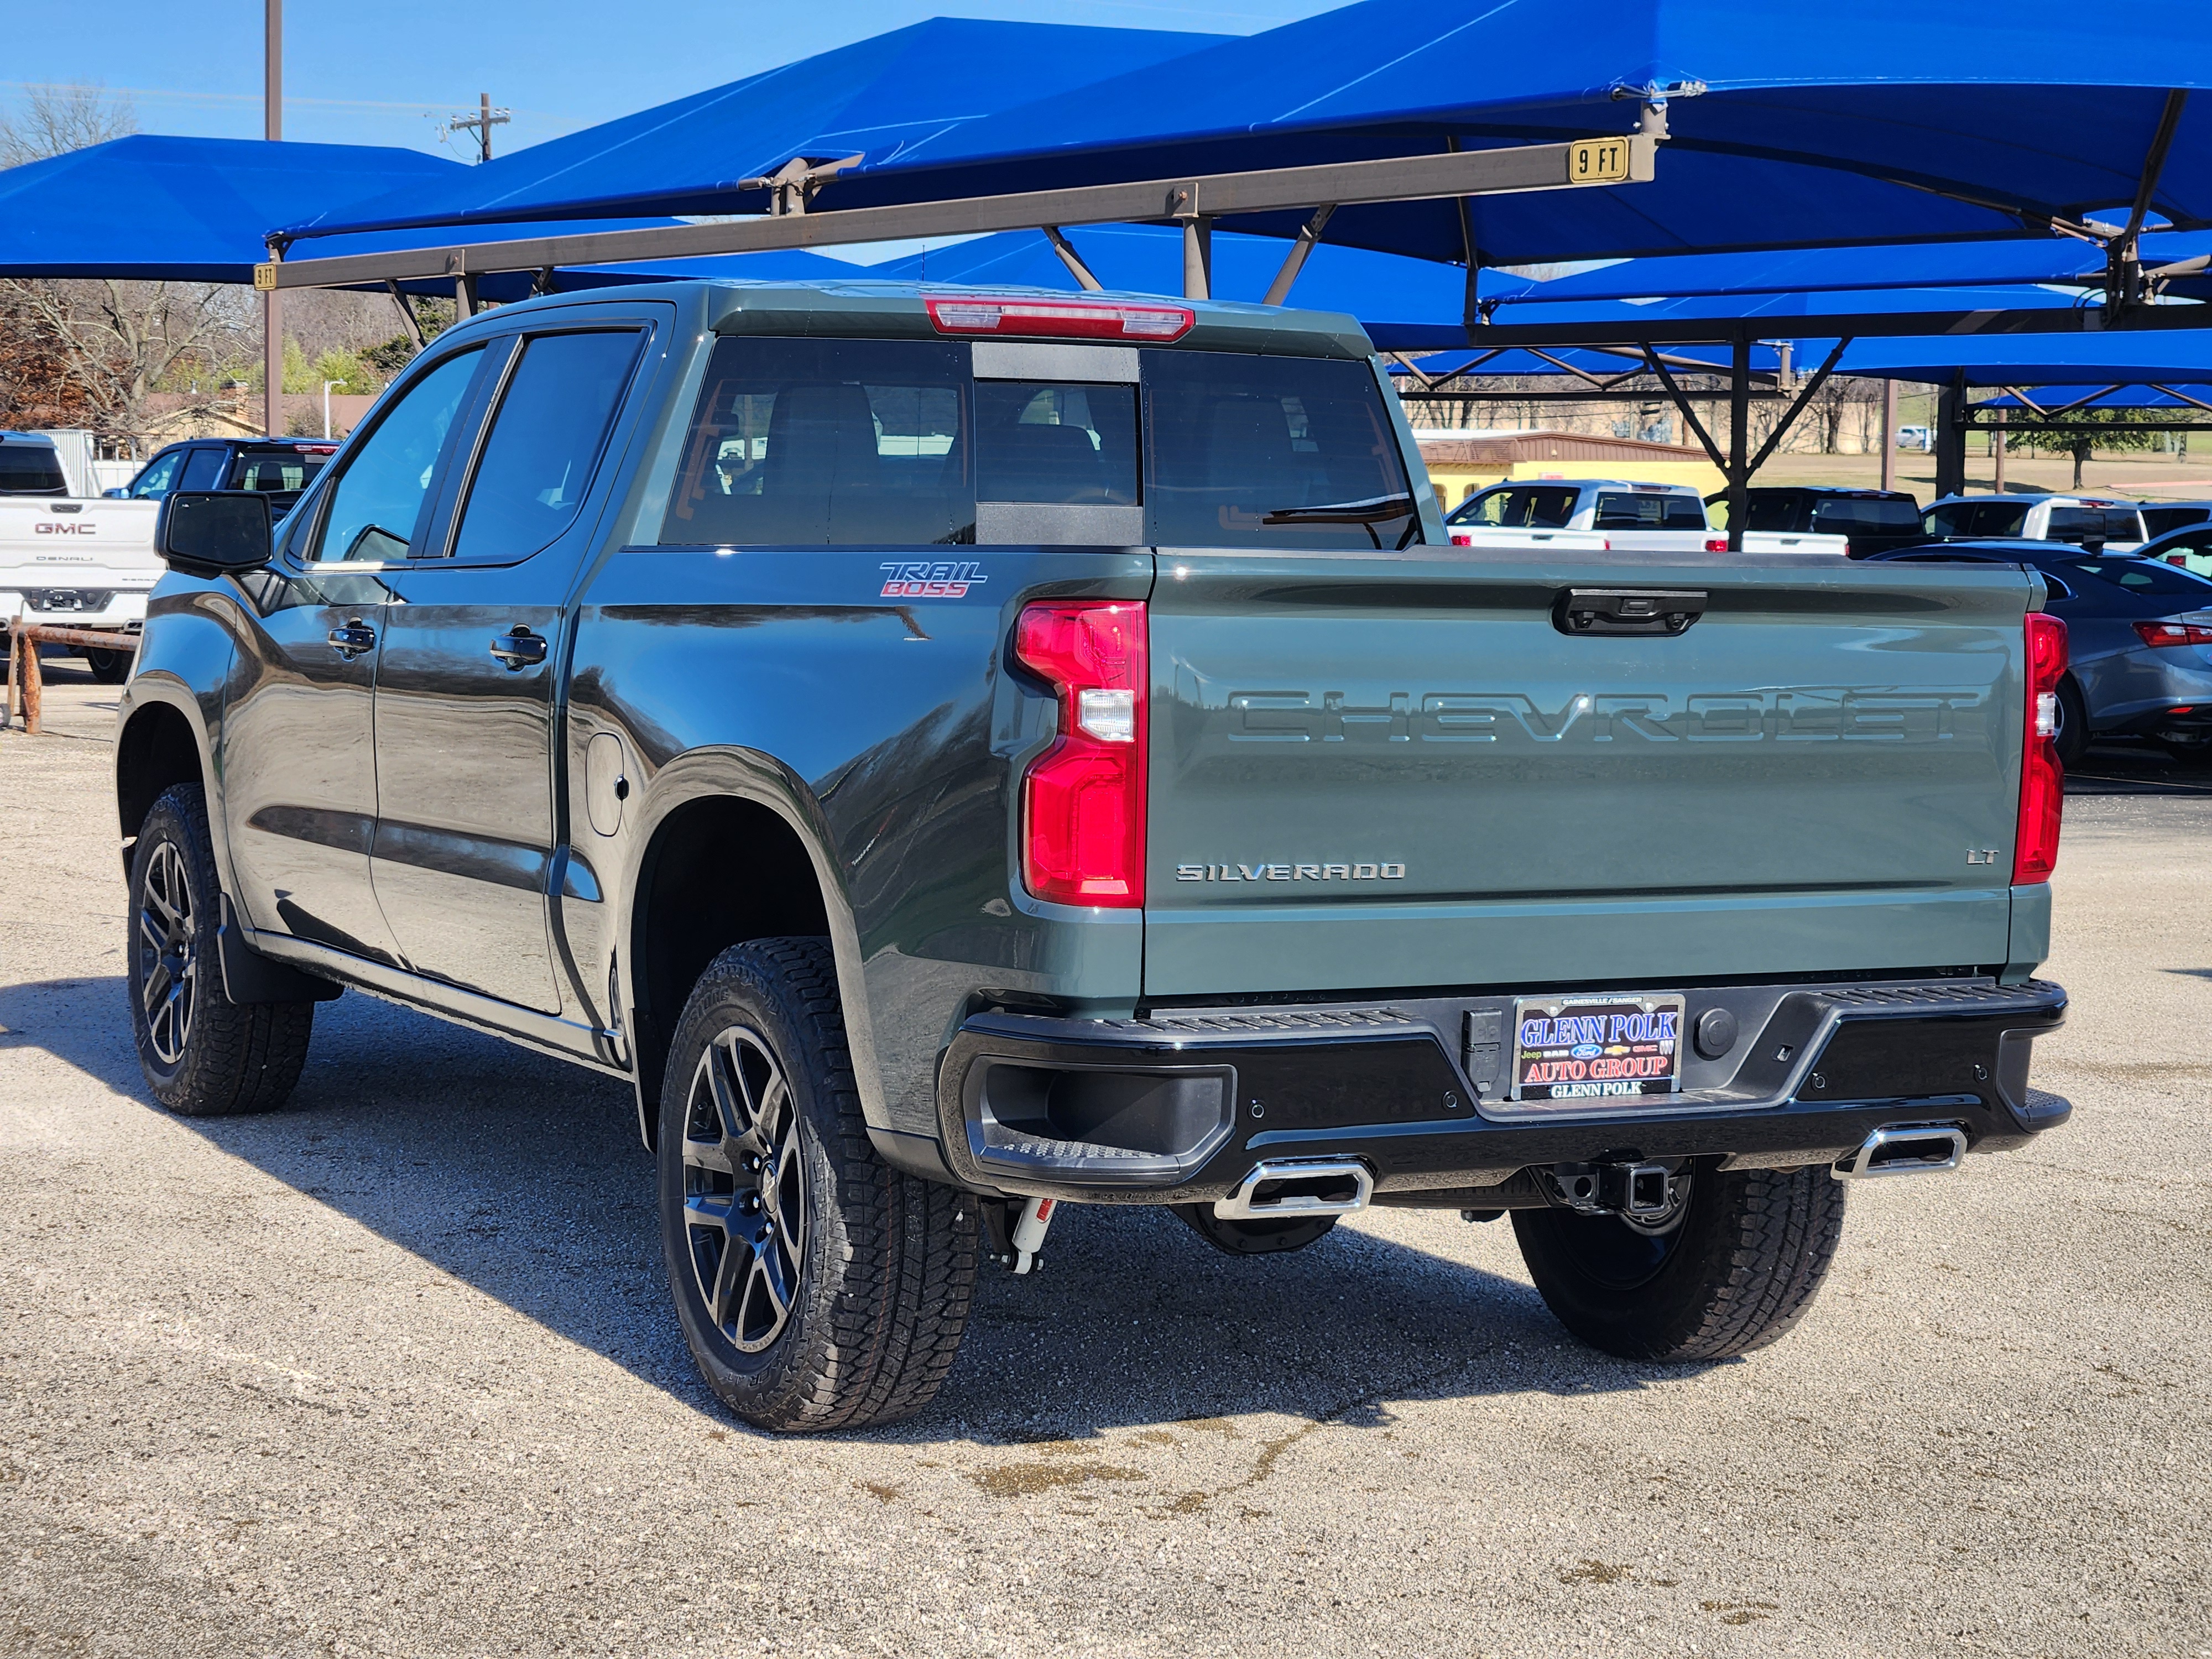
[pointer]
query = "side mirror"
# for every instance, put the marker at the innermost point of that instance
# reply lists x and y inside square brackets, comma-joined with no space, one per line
[116,494]
[214,533]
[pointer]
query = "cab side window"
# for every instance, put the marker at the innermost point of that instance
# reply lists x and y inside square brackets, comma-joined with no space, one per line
[545,441]
[383,496]
[203,469]
[159,477]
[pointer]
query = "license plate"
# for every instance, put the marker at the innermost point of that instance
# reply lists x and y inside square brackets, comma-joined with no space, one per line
[1596,1050]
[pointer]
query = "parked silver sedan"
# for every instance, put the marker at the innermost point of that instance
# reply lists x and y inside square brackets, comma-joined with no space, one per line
[2138,637]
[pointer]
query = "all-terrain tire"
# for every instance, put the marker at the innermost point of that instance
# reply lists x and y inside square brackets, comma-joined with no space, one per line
[1737,1272]
[204,1056]
[876,1296]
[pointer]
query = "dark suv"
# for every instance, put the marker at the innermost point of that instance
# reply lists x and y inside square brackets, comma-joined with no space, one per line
[279,468]
[1875,520]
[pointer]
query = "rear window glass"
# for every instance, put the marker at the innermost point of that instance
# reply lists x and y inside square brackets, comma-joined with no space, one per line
[30,469]
[275,474]
[2159,519]
[1843,515]
[1521,506]
[1618,510]
[2151,577]
[1039,441]
[1783,513]
[1977,518]
[1276,452]
[2081,523]
[828,443]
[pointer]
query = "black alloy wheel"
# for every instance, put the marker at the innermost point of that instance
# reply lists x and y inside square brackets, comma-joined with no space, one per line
[744,1188]
[203,1054]
[2071,738]
[169,976]
[817,1286]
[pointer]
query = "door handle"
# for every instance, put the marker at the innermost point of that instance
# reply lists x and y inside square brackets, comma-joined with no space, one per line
[519,649]
[351,640]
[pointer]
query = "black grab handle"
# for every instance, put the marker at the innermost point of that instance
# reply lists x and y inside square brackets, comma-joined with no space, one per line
[1660,610]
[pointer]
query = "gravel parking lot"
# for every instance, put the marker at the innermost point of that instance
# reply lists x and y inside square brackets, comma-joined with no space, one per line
[390,1373]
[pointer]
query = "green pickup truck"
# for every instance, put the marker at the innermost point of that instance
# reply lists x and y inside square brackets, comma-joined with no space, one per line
[962,753]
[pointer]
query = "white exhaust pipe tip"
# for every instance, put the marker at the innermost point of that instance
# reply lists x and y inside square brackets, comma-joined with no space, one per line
[1298,1186]
[1904,1149]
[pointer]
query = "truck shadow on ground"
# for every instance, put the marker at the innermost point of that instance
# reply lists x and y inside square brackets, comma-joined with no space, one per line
[524,1178]
[2130,768]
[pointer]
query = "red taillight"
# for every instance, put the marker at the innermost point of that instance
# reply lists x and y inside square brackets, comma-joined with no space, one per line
[1067,319]
[1716,543]
[2042,779]
[2174,633]
[1083,802]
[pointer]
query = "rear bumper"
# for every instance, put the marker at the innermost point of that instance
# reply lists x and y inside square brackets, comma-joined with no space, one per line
[57,604]
[1177,1107]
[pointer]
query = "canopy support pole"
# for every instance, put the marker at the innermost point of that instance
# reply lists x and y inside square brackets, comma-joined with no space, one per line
[407,317]
[1997,452]
[2124,253]
[1071,258]
[464,296]
[1739,475]
[1198,257]
[1889,434]
[1471,307]
[1951,437]
[1295,260]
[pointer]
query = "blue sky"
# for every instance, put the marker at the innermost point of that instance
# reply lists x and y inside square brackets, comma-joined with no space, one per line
[378,72]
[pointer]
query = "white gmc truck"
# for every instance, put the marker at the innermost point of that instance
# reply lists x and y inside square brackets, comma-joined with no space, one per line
[71,562]
[1617,515]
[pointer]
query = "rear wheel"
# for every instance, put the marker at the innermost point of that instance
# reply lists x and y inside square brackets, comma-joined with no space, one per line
[1732,1267]
[204,1055]
[818,1287]
[108,667]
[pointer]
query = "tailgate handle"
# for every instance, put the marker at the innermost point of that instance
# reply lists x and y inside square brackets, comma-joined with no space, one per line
[1661,611]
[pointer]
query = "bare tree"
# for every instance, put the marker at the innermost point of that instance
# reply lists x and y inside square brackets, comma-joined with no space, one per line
[58,119]
[88,352]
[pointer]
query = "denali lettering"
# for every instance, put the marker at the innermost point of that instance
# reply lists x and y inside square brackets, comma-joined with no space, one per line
[1290,872]
[924,580]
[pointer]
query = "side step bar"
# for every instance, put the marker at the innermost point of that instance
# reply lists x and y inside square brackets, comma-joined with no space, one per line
[1298,1186]
[1904,1149]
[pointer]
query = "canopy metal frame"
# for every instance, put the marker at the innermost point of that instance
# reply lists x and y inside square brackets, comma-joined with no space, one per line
[1193,203]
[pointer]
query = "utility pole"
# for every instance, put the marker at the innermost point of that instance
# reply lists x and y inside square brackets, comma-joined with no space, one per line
[481,123]
[272,128]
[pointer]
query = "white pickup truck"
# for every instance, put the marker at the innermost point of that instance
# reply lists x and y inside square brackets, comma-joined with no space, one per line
[1618,515]
[79,564]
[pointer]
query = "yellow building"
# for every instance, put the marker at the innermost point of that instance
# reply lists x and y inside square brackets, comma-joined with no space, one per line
[1461,463]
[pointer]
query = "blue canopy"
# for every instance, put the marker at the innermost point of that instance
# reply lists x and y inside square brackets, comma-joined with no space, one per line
[2015,360]
[185,209]
[2066,261]
[691,156]
[1883,121]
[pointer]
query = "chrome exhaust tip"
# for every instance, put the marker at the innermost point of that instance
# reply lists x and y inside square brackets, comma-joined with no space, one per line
[1298,1186]
[1904,1149]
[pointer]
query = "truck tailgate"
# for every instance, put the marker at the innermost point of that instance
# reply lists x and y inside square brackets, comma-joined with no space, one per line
[1396,771]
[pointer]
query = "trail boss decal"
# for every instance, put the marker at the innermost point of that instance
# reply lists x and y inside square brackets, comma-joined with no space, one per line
[923,579]
[1594,1049]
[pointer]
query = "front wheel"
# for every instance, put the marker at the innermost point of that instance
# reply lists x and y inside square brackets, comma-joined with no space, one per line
[1732,1267]
[818,1287]
[204,1056]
